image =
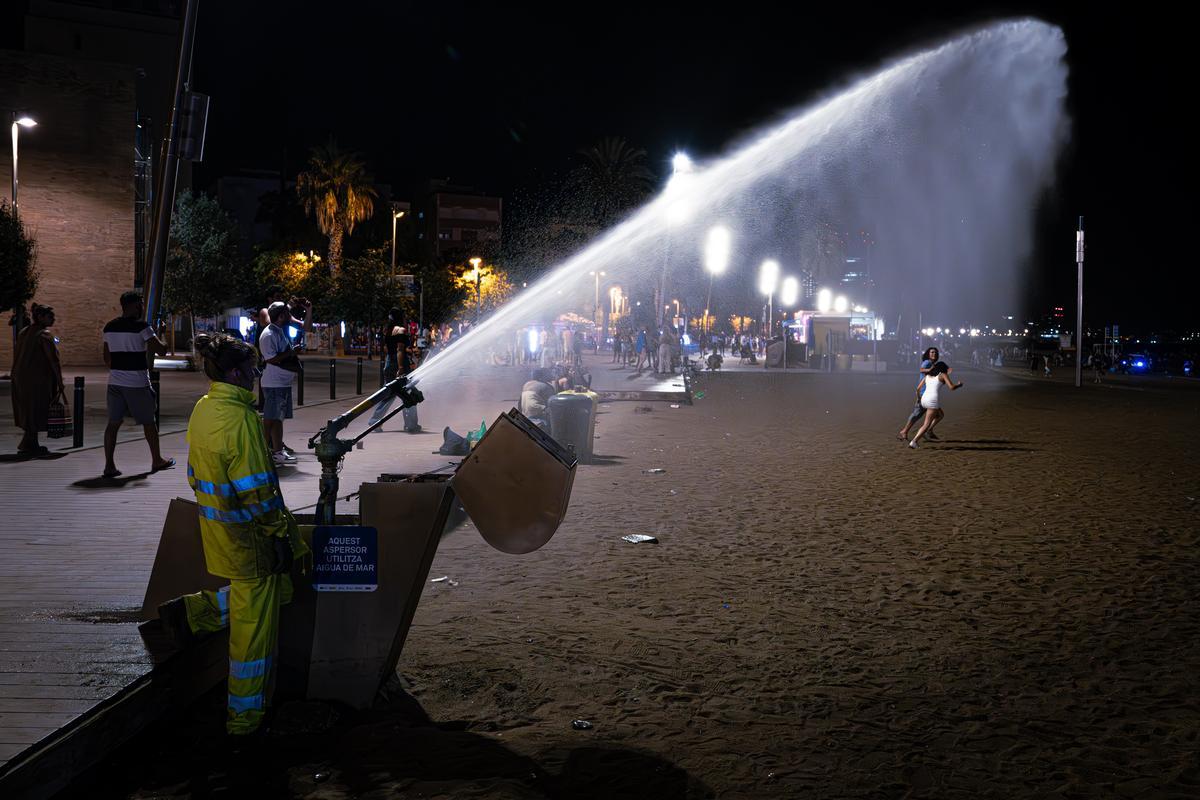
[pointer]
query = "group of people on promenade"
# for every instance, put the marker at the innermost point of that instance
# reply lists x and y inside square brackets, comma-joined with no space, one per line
[129,342]
[647,349]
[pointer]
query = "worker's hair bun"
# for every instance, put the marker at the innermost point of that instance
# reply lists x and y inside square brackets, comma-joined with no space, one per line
[221,353]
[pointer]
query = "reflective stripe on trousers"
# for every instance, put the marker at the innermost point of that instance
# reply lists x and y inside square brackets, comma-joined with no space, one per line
[250,608]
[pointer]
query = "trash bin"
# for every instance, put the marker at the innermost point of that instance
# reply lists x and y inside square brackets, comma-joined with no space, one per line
[573,420]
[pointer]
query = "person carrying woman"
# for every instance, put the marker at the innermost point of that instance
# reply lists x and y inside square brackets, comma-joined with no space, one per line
[939,375]
[36,379]
[928,359]
[249,536]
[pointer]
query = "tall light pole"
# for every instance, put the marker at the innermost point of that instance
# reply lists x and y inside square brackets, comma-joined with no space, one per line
[768,281]
[1079,306]
[475,262]
[596,273]
[716,261]
[676,211]
[18,122]
[395,216]
[164,192]
[788,295]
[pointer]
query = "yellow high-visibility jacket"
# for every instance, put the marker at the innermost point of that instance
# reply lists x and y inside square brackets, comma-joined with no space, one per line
[230,470]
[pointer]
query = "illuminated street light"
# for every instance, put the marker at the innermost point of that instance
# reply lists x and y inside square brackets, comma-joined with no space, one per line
[840,304]
[768,277]
[395,216]
[478,275]
[677,208]
[824,301]
[768,282]
[716,261]
[716,250]
[23,121]
[596,302]
[790,292]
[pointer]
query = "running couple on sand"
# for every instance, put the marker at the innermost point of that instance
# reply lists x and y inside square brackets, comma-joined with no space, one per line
[934,373]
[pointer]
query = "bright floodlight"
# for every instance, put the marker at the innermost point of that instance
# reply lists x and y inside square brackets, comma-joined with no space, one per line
[768,276]
[716,250]
[824,300]
[26,122]
[681,163]
[840,304]
[791,291]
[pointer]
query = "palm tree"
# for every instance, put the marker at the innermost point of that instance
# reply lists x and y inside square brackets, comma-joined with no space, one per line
[337,190]
[612,178]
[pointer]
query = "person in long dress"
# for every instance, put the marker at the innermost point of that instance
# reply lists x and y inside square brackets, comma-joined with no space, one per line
[36,379]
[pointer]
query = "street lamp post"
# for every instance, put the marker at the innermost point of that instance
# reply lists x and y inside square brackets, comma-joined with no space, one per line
[597,273]
[716,260]
[677,211]
[768,281]
[475,262]
[788,295]
[395,216]
[1079,306]
[18,122]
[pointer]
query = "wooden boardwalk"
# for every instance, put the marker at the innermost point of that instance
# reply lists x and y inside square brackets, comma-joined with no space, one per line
[75,557]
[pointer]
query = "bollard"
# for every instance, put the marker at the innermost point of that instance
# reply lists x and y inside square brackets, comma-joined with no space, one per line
[155,384]
[300,386]
[381,373]
[333,379]
[358,377]
[77,434]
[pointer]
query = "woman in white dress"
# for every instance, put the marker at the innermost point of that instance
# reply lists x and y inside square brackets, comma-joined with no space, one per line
[938,375]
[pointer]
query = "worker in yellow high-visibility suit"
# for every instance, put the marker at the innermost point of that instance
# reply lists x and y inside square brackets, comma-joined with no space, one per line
[249,535]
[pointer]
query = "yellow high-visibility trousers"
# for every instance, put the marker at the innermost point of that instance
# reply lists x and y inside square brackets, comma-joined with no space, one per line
[250,609]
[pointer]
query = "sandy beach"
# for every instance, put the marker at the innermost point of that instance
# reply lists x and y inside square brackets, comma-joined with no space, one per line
[1010,613]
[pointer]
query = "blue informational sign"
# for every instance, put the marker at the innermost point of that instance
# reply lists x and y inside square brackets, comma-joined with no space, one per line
[345,558]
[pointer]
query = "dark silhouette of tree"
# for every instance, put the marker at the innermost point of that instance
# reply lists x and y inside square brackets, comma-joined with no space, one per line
[611,178]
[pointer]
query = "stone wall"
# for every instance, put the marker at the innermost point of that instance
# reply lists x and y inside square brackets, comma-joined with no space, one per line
[76,189]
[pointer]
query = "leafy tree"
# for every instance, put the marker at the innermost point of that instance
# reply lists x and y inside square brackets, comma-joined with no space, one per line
[18,253]
[300,275]
[363,289]
[338,192]
[204,272]
[494,289]
[443,297]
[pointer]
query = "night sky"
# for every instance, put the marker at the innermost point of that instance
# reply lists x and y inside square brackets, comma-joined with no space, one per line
[500,98]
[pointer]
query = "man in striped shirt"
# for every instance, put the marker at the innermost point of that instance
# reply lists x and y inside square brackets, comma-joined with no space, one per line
[128,341]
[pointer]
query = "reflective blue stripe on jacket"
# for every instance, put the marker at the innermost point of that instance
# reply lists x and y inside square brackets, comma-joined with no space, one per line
[230,471]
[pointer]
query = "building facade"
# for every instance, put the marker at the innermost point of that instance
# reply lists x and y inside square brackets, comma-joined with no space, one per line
[459,223]
[76,191]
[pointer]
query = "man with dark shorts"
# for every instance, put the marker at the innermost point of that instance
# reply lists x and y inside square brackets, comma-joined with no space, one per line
[129,342]
[282,367]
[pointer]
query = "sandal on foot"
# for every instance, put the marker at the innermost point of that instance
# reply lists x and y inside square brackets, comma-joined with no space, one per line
[170,462]
[112,474]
